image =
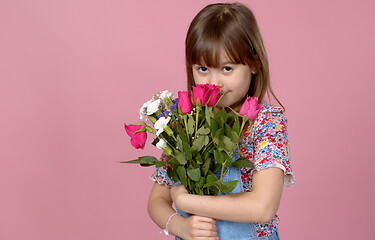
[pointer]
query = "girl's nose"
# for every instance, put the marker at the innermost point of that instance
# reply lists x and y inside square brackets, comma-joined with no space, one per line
[215,80]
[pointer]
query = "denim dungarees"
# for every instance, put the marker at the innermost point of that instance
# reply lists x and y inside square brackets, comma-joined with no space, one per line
[234,230]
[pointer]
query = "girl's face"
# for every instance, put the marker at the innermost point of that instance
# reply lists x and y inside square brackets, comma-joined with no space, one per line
[233,80]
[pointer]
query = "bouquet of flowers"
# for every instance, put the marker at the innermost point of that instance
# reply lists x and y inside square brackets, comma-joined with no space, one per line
[198,141]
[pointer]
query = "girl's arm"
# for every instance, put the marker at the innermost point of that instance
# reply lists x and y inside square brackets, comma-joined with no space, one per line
[259,205]
[193,227]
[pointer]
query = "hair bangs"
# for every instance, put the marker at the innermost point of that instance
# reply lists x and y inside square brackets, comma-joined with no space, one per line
[209,44]
[206,51]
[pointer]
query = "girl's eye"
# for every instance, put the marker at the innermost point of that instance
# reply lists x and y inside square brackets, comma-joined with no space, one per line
[202,69]
[227,69]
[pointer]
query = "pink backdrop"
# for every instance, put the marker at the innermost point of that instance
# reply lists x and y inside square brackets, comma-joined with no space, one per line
[72,72]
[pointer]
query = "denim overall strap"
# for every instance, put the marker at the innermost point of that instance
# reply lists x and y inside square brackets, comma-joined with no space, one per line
[234,230]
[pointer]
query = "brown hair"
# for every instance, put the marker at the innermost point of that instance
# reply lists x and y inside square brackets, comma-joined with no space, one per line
[233,27]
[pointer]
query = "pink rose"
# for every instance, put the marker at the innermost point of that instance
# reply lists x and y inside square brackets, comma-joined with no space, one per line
[215,95]
[251,107]
[184,102]
[138,139]
[201,91]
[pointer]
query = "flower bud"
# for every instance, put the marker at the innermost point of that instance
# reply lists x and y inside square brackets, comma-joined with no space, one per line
[167,150]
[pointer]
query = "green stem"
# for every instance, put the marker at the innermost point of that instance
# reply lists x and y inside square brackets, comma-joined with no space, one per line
[222,169]
[242,126]
[186,127]
[196,121]
[206,147]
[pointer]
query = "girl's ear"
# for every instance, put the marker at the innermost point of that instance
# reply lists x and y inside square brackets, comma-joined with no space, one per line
[253,71]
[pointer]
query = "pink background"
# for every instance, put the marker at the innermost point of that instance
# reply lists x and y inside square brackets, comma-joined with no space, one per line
[72,72]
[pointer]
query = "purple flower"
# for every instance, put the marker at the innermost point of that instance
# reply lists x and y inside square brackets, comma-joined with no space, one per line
[174,106]
[175,101]
[161,115]
[164,114]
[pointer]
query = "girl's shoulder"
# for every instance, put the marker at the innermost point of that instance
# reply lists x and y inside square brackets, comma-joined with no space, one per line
[270,109]
[270,117]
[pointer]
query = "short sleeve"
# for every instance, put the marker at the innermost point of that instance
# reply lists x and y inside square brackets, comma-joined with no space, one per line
[160,174]
[271,145]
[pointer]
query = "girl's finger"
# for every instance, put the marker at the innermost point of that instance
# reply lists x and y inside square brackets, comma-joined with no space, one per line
[205,219]
[207,226]
[205,233]
[207,238]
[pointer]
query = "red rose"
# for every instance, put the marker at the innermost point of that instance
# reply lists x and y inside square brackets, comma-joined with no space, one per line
[206,92]
[184,102]
[215,95]
[138,139]
[251,107]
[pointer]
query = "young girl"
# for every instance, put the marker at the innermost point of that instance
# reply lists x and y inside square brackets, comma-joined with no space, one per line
[224,47]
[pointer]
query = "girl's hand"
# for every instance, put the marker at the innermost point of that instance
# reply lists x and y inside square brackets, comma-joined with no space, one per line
[178,193]
[198,228]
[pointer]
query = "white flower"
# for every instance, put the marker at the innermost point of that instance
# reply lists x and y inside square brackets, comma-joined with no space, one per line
[166,94]
[153,107]
[160,123]
[143,111]
[161,144]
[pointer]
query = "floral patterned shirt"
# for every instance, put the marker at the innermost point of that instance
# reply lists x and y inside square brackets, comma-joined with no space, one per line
[266,145]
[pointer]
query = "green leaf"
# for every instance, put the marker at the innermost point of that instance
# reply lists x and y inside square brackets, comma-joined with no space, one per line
[206,166]
[181,132]
[243,162]
[235,138]
[144,161]
[214,126]
[190,125]
[231,117]
[200,142]
[228,144]
[181,172]
[209,114]
[199,159]
[221,117]
[210,180]
[187,150]
[208,152]
[194,174]
[174,162]
[160,163]
[179,142]
[172,174]
[181,158]
[236,125]
[206,140]
[217,166]
[218,157]
[228,130]
[201,119]
[203,131]
[191,184]
[228,163]
[218,136]
[200,183]
[227,187]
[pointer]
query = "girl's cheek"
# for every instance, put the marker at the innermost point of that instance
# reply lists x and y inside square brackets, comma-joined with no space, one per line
[199,80]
